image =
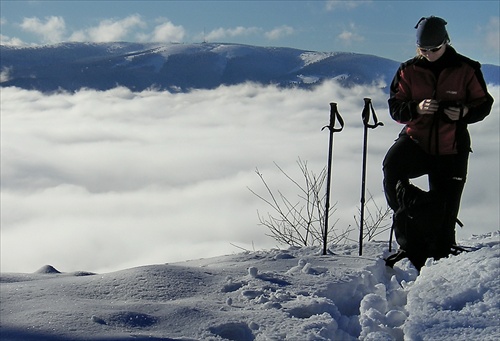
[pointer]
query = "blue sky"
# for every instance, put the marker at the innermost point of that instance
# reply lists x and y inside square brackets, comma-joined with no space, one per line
[383,28]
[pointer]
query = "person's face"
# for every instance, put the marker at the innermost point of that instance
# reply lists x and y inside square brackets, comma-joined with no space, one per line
[432,53]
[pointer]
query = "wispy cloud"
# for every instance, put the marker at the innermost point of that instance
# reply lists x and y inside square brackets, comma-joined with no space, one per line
[168,32]
[350,35]
[279,32]
[222,33]
[492,36]
[332,5]
[5,40]
[109,30]
[5,74]
[51,30]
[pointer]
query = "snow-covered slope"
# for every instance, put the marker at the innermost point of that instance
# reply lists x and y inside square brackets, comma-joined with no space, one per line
[180,67]
[293,294]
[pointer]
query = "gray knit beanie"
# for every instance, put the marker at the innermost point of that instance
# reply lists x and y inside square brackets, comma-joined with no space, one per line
[431,32]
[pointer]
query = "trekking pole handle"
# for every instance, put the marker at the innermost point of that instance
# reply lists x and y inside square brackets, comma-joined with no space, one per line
[334,115]
[365,115]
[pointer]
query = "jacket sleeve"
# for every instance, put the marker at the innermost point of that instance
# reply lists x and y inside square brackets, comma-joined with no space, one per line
[401,106]
[480,101]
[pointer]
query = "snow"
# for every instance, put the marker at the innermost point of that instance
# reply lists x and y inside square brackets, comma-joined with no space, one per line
[293,294]
[314,57]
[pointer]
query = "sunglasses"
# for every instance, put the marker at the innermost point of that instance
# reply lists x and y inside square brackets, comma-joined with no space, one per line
[432,49]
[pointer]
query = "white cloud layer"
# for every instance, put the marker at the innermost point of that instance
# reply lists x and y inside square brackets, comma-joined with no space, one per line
[100,181]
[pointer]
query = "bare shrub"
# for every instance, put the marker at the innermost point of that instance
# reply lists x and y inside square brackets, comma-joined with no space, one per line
[376,219]
[299,221]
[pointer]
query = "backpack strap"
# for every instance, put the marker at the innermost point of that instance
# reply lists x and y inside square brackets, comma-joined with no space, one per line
[394,258]
[457,249]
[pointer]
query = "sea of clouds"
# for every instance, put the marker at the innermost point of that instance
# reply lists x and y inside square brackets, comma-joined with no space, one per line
[101,181]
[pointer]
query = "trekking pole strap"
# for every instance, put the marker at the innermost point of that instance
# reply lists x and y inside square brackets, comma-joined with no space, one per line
[334,115]
[367,110]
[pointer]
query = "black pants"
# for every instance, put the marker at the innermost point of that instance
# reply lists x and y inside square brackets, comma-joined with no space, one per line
[447,174]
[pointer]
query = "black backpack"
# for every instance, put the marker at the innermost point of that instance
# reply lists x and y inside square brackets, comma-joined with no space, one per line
[420,226]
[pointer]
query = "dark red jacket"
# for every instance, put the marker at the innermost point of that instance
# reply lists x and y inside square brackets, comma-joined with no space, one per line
[453,80]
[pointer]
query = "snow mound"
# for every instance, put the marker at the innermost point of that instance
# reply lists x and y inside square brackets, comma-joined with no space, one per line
[457,302]
[47,269]
[294,294]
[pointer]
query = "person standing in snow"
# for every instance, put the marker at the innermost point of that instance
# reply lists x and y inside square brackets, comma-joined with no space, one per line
[435,95]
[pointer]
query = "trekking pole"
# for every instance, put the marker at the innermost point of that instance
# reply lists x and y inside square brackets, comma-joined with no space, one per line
[390,237]
[334,114]
[365,115]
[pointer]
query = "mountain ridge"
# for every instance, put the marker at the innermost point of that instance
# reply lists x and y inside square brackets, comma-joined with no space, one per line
[181,67]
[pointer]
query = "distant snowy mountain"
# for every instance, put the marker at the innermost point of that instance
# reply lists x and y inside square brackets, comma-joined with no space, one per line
[181,67]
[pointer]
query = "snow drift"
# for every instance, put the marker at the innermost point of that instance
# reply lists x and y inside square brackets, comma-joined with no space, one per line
[294,294]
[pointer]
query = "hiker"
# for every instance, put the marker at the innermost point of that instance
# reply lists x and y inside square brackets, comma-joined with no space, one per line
[435,95]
